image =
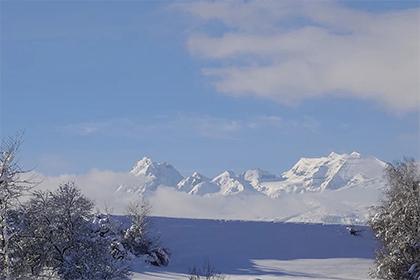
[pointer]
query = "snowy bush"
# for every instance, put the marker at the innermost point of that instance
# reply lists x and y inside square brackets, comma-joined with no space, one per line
[104,225]
[158,257]
[137,240]
[396,224]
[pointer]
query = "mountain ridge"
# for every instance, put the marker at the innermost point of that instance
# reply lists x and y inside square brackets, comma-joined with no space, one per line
[308,174]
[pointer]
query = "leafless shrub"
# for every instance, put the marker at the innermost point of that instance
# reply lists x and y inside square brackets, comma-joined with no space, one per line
[206,272]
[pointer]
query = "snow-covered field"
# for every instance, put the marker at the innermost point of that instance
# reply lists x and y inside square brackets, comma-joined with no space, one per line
[261,250]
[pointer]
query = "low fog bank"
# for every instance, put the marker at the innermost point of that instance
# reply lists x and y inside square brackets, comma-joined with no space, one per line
[349,206]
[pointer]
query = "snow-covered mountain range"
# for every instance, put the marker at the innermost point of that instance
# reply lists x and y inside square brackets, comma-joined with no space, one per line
[329,173]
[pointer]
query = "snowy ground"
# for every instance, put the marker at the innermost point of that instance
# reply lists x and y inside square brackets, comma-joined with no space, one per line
[261,250]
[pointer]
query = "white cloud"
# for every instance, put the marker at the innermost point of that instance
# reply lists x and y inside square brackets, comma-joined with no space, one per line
[294,50]
[100,186]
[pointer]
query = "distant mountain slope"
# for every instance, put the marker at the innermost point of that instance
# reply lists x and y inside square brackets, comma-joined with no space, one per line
[336,171]
[152,174]
[333,172]
[231,184]
[197,184]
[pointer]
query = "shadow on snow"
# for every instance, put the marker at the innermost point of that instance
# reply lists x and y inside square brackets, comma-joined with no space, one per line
[233,247]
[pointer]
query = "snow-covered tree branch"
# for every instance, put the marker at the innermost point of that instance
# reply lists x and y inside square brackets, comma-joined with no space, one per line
[58,238]
[396,224]
[12,187]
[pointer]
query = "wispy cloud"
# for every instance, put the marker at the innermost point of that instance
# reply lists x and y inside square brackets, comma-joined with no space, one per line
[197,126]
[295,50]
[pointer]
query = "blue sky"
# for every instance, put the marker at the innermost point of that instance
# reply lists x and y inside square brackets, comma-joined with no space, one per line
[208,86]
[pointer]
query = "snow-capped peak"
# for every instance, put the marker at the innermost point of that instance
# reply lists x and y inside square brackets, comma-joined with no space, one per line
[142,167]
[225,174]
[355,155]
[160,173]
[230,183]
[257,176]
[333,155]
[338,175]
[334,171]
[188,183]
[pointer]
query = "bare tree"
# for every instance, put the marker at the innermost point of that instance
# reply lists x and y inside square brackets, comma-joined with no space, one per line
[139,212]
[397,224]
[137,238]
[13,186]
